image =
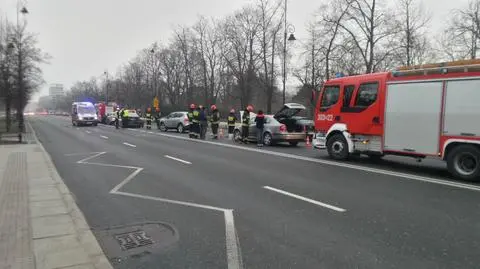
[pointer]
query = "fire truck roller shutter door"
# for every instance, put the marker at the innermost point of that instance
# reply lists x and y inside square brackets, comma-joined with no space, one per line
[412,117]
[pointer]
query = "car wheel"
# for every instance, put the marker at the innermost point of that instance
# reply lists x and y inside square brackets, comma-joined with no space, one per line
[95,124]
[73,123]
[337,147]
[267,139]
[463,162]
[237,136]
[163,128]
[180,128]
[293,143]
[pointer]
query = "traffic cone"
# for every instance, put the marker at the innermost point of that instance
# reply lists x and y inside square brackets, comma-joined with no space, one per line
[307,142]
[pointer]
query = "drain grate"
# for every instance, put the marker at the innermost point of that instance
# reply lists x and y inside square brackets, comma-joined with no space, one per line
[133,240]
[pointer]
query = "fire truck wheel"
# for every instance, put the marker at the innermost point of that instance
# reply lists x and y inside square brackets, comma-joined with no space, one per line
[464,162]
[337,147]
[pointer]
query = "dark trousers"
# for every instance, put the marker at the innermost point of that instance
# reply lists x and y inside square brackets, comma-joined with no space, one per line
[195,129]
[244,133]
[203,129]
[231,129]
[215,129]
[116,122]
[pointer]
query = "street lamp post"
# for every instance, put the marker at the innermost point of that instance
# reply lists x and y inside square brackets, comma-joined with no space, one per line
[154,79]
[289,29]
[106,87]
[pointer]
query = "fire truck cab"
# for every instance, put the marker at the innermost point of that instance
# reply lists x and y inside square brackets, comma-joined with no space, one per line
[421,111]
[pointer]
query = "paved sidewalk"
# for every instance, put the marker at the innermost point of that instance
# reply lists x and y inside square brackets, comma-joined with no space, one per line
[41,226]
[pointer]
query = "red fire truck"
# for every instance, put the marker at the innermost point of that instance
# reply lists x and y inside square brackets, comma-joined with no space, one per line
[421,111]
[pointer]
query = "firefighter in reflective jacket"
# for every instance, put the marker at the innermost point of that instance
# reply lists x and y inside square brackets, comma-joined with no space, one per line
[190,120]
[246,123]
[196,123]
[231,123]
[117,117]
[215,121]
[158,114]
[148,118]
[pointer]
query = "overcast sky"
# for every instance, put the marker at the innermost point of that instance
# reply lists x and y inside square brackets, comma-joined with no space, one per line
[87,37]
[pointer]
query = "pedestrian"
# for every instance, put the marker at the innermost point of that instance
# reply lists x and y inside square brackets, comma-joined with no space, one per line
[196,123]
[148,118]
[158,114]
[190,120]
[215,121]
[260,124]
[203,122]
[246,123]
[231,123]
[117,117]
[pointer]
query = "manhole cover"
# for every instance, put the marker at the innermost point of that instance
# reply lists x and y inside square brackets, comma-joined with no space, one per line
[137,239]
[133,240]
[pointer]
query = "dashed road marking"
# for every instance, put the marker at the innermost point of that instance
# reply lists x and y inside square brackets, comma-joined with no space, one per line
[177,159]
[334,208]
[104,137]
[130,145]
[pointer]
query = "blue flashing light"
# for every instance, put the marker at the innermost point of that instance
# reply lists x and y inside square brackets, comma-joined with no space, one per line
[339,75]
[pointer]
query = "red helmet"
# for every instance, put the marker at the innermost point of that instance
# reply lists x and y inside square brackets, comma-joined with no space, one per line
[250,108]
[232,110]
[213,107]
[192,106]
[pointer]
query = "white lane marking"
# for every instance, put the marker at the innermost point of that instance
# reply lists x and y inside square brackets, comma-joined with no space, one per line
[146,197]
[130,145]
[338,209]
[88,132]
[104,137]
[233,251]
[78,128]
[150,132]
[91,157]
[338,164]
[126,180]
[81,153]
[177,159]
[234,260]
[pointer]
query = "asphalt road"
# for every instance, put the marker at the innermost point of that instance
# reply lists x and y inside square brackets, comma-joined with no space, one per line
[291,208]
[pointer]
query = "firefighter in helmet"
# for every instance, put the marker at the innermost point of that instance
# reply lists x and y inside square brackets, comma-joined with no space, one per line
[117,117]
[246,123]
[195,122]
[231,123]
[215,121]
[148,118]
[190,120]
[157,116]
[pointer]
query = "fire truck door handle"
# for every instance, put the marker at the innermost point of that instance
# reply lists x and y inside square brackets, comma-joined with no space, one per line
[337,118]
[376,120]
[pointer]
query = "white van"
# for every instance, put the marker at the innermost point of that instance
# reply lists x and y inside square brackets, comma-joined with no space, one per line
[84,113]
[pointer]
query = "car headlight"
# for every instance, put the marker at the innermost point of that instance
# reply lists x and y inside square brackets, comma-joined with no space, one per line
[95,117]
[80,118]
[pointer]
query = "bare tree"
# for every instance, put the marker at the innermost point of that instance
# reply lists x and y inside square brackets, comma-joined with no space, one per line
[240,32]
[462,36]
[369,27]
[270,25]
[412,39]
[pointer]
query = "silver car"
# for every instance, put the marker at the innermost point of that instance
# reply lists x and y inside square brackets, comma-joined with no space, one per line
[281,127]
[175,120]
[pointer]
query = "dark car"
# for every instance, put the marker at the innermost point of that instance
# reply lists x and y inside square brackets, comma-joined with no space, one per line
[134,121]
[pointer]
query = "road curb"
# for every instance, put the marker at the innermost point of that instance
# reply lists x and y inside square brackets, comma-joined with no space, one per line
[83,234]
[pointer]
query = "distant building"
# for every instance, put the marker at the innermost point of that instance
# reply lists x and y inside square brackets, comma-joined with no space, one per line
[56,90]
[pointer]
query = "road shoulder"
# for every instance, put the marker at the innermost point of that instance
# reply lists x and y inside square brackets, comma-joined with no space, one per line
[39,217]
